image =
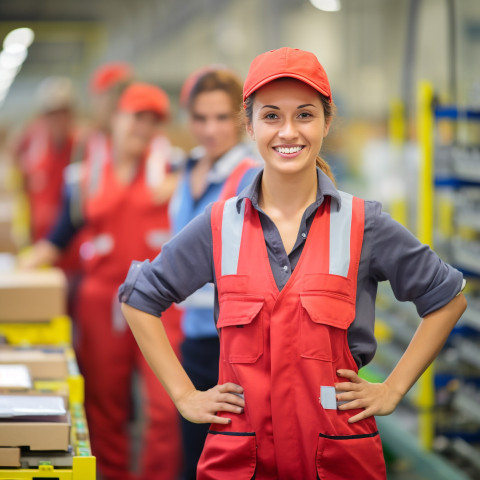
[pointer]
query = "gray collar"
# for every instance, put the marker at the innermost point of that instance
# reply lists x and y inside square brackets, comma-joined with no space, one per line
[325,188]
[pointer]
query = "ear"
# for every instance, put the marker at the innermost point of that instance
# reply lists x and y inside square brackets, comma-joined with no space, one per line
[250,131]
[326,128]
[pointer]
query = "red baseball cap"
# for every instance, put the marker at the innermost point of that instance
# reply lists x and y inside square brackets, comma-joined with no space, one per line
[144,97]
[109,75]
[286,62]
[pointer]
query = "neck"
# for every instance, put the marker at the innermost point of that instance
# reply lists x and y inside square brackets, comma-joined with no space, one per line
[288,193]
[125,159]
[125,166]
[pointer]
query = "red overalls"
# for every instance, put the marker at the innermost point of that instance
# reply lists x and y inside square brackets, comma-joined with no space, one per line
[42,164]
[284,349]
[123,223]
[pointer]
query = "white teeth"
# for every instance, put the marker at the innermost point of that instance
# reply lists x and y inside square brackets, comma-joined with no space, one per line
[288,149]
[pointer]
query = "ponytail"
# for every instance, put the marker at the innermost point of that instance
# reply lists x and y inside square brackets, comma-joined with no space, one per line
[325,168]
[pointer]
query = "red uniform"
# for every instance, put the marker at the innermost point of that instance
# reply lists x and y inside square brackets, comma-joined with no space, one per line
[284,349]
[122,223]
[42,164]
[230,188]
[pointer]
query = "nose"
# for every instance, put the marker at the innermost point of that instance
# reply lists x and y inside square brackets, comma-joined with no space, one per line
[288,130]
[210,127]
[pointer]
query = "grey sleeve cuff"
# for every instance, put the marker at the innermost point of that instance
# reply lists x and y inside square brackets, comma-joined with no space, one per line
[130,292]
[448,288]
[126,289]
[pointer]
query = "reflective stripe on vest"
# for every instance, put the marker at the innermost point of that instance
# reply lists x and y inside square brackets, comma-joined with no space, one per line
[232,226]
[340,228]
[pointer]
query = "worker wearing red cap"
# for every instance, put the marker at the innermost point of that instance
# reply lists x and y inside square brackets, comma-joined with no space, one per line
[125,217]
[296,264]
[106,85]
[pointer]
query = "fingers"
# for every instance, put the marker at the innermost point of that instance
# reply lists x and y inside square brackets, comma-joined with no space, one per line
[231,398]
[230,387]
[351,405]
[360,416]
[350,374]
[221,420]
[228,407]
[347,387]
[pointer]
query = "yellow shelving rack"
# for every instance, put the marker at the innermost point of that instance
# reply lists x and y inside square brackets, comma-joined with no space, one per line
[56,333]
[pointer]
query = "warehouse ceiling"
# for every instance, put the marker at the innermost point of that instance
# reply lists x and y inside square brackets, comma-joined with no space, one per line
[67,33]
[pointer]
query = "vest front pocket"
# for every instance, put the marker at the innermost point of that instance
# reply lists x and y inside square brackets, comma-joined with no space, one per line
[228,454]
[324,321]
[241,328]
[350,456]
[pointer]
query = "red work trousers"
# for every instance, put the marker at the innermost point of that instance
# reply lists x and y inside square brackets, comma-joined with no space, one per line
[108,355]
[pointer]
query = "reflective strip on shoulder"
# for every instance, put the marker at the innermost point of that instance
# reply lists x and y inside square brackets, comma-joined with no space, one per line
[232,226]
[340,230]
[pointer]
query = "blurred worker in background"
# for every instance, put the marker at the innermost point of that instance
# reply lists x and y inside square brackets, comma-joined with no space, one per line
[125,217]
[44,150]
[106,86]
[219,167]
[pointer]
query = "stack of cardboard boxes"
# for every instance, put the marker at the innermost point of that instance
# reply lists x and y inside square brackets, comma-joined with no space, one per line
[41,412]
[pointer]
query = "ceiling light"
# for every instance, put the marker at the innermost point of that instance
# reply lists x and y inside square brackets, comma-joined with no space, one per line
[327,5]
[19,36]
[13,59]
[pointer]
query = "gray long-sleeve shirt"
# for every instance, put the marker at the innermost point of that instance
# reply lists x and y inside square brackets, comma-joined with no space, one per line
[389,252]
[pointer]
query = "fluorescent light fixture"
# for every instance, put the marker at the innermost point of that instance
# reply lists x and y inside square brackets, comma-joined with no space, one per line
[19,36]
[327,5]
[5,83]
[8,73]
[13,59]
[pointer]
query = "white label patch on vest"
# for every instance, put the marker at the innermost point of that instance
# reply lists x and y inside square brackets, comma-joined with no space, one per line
[328,398]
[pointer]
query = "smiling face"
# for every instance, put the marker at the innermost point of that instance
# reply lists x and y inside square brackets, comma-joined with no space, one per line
[288,124]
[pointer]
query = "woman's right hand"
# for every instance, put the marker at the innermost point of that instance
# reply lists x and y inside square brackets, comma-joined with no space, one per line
[201,407]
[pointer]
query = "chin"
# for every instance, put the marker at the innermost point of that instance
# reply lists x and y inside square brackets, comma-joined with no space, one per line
[290,167]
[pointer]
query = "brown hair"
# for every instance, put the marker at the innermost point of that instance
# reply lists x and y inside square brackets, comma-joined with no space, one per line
[328,110]
[221,79]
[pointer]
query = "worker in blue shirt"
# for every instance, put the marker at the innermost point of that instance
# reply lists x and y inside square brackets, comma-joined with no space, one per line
[219,167]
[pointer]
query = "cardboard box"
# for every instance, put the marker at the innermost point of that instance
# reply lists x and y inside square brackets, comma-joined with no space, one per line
[42,364]
[32,296]
[36,433]
[9,457]
[7,209]
[15,378]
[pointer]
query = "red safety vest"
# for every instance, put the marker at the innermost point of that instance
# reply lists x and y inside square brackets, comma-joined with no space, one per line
[230,188]
[284,349]
[123,222]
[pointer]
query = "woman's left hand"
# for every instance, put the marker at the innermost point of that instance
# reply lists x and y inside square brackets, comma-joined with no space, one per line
[374,398]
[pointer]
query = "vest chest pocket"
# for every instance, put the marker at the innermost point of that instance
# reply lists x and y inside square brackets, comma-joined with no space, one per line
[241,328]
[324,321]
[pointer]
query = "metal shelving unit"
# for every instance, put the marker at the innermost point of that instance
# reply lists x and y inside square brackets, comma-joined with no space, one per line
[437,430]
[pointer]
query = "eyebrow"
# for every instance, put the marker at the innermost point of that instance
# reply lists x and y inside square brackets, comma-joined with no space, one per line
[298,108]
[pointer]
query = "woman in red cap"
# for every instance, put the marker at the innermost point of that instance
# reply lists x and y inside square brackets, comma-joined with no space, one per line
[123,211]
[296,264]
